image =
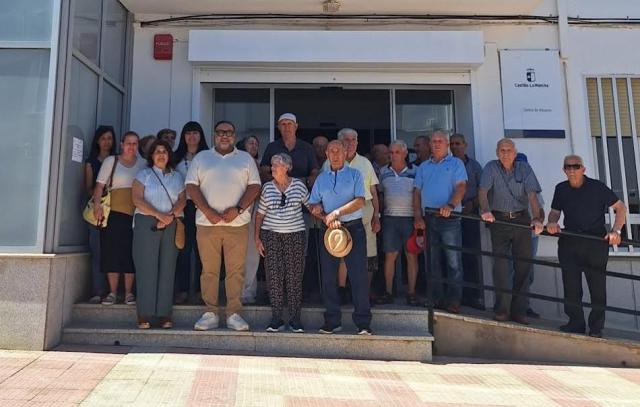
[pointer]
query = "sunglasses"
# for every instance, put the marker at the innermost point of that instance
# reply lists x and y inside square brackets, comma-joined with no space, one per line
[283,199]
[572,166]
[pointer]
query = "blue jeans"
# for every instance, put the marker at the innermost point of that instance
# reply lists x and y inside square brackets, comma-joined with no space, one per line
[97,277]
[448,232]
[356,262]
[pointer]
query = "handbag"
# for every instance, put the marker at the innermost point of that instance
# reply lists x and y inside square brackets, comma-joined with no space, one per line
[180,237]
[105,202]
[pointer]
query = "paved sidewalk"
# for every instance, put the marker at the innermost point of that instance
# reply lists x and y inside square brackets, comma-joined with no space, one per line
[123,376]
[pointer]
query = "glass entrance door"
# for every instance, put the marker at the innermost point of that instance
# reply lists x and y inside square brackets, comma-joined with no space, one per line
[324,111]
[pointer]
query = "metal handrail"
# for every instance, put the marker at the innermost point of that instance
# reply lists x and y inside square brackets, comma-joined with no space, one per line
[429,263]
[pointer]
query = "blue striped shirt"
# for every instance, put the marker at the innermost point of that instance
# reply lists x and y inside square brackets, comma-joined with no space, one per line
[398,190]
[285,218]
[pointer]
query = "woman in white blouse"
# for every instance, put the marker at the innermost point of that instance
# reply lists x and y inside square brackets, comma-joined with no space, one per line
[158,193]
[117,173]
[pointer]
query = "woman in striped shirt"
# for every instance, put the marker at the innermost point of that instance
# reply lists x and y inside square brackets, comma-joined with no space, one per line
[280,239]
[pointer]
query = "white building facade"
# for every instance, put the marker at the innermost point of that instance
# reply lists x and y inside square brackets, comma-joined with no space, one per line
[392,70]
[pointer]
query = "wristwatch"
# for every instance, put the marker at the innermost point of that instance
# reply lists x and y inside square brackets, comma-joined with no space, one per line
[240,210]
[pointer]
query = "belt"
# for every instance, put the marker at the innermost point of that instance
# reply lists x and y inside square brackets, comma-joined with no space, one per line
[509,215]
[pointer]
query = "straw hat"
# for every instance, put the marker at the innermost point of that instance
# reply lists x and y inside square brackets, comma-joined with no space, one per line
[338,241]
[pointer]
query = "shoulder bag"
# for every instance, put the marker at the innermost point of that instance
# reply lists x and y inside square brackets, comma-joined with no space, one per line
[105,202]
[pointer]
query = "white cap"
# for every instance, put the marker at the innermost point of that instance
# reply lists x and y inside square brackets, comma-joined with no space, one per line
[288,116]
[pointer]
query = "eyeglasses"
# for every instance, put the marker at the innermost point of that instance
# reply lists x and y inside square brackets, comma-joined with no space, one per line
[572,166]
[283,199]
[223,133]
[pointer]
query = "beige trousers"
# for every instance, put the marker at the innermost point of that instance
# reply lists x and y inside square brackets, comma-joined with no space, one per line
[212,241]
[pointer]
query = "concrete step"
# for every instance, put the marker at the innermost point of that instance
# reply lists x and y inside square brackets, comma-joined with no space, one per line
[407,346]
[387,319]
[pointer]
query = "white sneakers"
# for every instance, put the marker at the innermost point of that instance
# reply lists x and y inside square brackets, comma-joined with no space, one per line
[209,320]
[236,323]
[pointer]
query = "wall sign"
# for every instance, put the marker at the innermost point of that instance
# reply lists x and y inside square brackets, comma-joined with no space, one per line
[532,97]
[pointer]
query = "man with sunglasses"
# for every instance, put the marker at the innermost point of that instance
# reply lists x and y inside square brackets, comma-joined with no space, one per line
[508,188]
[223,182]
[584,202]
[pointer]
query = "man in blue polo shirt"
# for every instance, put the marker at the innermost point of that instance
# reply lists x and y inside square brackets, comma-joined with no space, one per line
[337,199]
[441,183]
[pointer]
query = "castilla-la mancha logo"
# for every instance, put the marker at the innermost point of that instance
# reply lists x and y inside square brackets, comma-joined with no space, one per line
[531,75]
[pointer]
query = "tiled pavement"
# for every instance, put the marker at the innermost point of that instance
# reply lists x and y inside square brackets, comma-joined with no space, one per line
[122,376]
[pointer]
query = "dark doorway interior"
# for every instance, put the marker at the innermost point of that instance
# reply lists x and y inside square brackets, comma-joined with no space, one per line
[324,111]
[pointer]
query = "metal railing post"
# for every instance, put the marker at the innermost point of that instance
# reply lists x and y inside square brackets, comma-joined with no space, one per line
[430,265]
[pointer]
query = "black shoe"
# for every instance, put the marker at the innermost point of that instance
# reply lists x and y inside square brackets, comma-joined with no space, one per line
[413,300]
[532,314]
[330,329]
[385,299]
[475,304]
[276,325]
[296,326]
[595,334]
[573,329]
[364,330]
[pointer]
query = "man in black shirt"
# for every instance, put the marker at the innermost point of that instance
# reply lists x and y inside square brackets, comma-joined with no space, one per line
[584,202]
[305,165]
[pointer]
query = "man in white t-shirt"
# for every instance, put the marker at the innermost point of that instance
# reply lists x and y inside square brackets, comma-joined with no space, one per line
[223,183]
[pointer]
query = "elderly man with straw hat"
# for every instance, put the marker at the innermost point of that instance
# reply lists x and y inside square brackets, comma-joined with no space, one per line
[337,199]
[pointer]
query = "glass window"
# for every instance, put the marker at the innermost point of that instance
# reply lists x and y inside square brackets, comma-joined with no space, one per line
[25,20]
[113,43]
[23,97]
[248,109]
[86,28]
[111,108]
[420,112]
[81,124]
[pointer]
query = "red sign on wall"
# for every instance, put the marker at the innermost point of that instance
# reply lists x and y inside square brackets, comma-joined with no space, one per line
[163,47]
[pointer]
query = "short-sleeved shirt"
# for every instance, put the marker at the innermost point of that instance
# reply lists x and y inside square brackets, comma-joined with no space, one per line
[154,193]
[397,188]
[336,188]
[508,190]
[223,179]
[303,156]
[474,172]
[437,181]
[285,218]
[366,169]
[123,176]
[584,208]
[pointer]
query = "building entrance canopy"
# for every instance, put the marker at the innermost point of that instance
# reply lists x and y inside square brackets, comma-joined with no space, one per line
[428,49]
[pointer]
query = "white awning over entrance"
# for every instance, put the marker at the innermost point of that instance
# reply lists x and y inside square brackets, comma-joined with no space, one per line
[451,49]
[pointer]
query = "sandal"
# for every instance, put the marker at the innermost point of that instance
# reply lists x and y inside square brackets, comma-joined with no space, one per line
[142,324]
[165,323]
[412,300]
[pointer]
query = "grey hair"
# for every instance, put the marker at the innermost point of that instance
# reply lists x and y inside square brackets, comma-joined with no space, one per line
[282,158]
[345,131]
[573,157]
[401,144]
[442,133]
[506,141]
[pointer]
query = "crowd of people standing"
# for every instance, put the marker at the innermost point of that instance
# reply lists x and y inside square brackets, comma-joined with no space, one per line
[228,208]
